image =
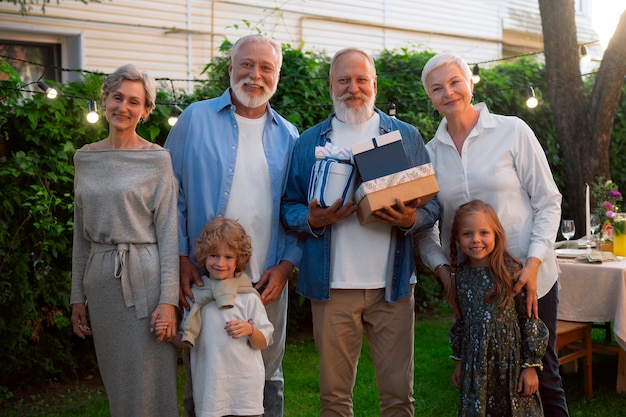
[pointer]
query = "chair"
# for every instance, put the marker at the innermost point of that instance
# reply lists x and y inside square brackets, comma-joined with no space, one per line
[607,329]
[576,337]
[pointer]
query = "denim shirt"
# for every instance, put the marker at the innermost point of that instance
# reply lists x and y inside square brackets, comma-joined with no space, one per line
[203,146]
[314,275]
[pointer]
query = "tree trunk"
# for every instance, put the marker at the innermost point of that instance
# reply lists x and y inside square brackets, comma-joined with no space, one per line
[583,124]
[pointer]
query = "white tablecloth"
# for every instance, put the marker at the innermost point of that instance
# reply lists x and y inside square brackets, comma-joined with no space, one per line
[594,293]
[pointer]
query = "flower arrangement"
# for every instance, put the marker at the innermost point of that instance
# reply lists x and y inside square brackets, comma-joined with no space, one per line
[606,197]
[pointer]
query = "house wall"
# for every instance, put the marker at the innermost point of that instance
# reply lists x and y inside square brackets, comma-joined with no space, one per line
[176,39]
[521,26]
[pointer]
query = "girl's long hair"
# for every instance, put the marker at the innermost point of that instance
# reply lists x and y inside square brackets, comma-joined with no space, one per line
[504,267]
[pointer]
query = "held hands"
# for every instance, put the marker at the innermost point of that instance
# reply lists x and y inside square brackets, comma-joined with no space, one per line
[528,381]
[449,288]
[320,217]
[163,322]
[403,216]
[80,324]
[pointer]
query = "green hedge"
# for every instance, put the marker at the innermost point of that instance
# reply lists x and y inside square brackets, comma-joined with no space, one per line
[40,136]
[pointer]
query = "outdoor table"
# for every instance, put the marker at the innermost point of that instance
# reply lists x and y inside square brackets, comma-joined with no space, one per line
[596,293]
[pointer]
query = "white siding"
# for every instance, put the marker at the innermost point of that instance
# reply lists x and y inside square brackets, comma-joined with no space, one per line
[521,22]
[176,39]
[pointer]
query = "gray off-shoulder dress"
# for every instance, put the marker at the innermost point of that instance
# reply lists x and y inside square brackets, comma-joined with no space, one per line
[125,262]
[494,344]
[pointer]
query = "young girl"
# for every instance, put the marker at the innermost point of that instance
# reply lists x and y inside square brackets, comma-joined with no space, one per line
[226,365]
[496,345]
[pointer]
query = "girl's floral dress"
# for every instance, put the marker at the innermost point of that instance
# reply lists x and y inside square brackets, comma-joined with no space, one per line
[494,344]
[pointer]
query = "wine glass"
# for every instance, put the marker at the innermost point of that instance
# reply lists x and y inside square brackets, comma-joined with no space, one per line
[594,224]
[568,228]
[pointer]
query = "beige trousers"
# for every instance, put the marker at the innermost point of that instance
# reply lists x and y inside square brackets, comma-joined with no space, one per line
[339,326]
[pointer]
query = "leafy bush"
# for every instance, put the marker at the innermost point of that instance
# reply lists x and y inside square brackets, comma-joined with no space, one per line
[39,138]
[399,82]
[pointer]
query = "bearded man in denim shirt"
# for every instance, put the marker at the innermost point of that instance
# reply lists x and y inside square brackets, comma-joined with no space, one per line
[359,278]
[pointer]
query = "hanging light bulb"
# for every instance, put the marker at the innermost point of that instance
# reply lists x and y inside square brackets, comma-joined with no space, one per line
[476,74]
[175,112]
[532,101]
[51,93]
[92,115]
[391,110]
[584,54]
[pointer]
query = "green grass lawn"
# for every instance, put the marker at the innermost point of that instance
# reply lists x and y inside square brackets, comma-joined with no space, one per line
[434,393]
[435,396]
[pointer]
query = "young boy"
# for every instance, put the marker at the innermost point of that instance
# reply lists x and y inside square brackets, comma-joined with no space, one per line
[227,327]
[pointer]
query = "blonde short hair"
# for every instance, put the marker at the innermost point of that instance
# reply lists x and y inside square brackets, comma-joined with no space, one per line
[445,59]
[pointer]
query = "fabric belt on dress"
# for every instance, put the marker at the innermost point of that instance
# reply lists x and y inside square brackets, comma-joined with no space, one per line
[128,271]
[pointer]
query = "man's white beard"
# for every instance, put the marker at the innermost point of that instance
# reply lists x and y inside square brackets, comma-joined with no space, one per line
[352,115]
[251,101]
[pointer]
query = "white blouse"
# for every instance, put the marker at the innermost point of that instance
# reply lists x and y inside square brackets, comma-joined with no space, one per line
[503,164]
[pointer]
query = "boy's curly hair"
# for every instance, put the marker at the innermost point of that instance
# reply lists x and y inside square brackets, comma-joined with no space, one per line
[223,231]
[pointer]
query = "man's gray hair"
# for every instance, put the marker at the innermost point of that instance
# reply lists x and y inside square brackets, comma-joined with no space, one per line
[258,38]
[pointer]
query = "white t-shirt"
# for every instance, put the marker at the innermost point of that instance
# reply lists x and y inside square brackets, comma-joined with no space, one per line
[250,201]
[228,374]
[359,254]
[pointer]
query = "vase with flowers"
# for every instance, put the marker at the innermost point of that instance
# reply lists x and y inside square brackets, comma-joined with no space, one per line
[606,199]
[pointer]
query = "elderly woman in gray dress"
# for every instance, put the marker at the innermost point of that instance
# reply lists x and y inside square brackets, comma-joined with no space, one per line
[125,254]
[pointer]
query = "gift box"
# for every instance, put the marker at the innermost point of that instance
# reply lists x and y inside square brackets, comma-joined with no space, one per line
[380,156]
[406,185]
[330,180]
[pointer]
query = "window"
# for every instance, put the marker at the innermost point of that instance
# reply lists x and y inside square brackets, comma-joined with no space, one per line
[42,53]
[33,61]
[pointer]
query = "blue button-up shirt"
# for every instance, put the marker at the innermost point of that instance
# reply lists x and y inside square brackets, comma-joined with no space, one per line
[203,146]
[314,275]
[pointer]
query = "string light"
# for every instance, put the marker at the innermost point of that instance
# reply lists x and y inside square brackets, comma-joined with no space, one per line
[476,74]
[175,112]
[84,71]
[51,93]
[92,115]
[532,101]
[584,54]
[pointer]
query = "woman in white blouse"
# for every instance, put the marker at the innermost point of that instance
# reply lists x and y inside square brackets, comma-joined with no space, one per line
[497,159]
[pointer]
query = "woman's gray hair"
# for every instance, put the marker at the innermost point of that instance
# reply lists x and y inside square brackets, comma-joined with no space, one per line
[130,72]
[258,38]
[444,59]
